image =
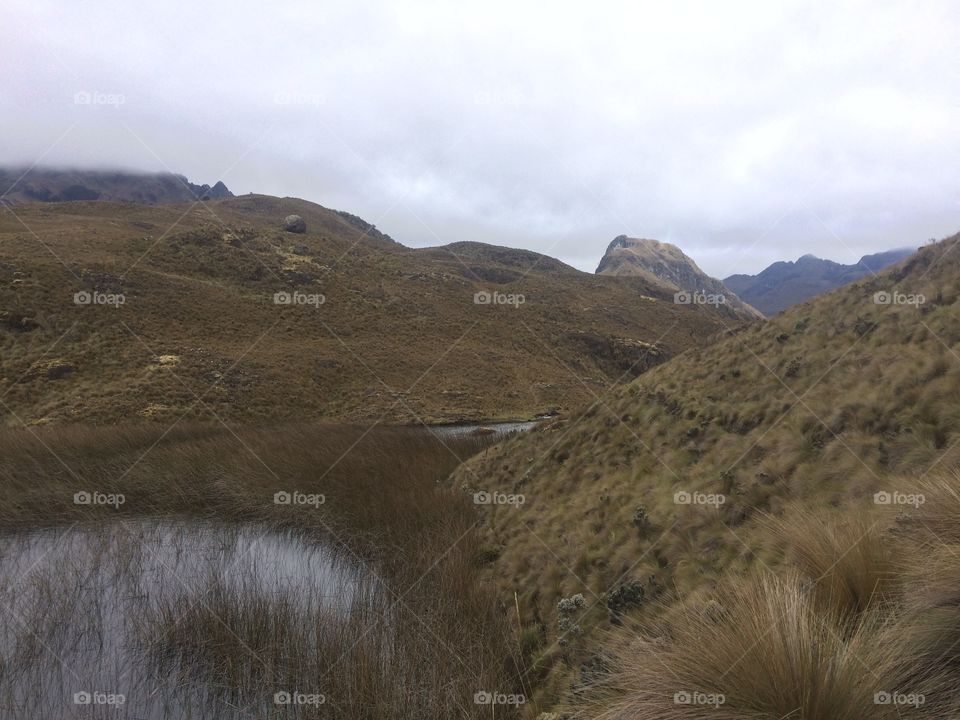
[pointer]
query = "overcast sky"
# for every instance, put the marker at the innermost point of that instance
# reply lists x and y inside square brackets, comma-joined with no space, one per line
[744,132]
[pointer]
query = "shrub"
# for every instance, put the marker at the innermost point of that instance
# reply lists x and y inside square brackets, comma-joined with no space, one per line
[628,595]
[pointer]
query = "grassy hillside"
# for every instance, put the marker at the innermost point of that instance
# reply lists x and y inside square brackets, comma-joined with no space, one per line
[398,334]
[660,488]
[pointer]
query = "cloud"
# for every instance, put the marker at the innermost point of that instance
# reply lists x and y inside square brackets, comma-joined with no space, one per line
[745,132]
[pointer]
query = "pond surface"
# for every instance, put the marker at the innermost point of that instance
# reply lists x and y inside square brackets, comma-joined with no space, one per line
[97,620]
[480,429]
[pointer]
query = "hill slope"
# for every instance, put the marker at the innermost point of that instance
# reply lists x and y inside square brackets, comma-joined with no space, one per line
[372,329]
[659,487]
[670,265]
[787,283]
[20,185]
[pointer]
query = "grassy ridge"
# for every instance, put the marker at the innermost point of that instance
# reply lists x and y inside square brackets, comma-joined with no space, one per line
[827,404]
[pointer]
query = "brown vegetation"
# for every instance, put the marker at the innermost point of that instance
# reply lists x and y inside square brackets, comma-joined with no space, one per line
[822,407]
[398,335]
[419,639]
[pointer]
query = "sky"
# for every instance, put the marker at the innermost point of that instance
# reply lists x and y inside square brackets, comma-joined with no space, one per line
[744,132]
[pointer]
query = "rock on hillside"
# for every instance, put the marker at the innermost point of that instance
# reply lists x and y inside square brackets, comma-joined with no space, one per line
[787,283]
[667,263]
[294,224]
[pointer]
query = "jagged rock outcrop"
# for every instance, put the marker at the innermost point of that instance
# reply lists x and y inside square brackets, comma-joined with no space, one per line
[667,263]
[21,185]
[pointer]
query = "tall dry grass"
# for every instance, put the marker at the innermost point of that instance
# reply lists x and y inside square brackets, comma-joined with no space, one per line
[768,650]
[866,623]
[846,560]
[420,643]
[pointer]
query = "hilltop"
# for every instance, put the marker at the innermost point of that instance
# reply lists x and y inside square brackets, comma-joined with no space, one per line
[787,283]
[658,489]
[113,311]
[21,185]
[666,263]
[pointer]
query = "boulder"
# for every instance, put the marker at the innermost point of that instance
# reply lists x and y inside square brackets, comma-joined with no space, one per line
[294,224]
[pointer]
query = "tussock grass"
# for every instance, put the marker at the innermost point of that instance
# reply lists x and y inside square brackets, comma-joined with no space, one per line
[933,603]
[847,560]
[868,611]
[931,569]
[937,518]
[768,650]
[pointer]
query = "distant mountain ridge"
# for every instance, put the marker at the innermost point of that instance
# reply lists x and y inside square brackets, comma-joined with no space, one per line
[787,283]
[21,185]
[668,265]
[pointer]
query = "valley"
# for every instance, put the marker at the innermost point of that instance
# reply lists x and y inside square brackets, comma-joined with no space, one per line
[590,458]
[465,451]
[480,361]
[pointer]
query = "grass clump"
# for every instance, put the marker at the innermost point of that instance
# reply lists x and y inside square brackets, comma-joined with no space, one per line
[847,561]
[770,651]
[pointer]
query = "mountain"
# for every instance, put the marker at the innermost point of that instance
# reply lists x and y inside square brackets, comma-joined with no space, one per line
[112,311]
[787,283]
[668,264]
[655,492]
[21,185]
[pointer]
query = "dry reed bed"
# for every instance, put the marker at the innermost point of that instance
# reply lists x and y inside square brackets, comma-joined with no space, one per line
[419,638]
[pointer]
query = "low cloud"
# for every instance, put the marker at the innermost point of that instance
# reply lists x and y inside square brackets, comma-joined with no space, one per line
[744,132]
